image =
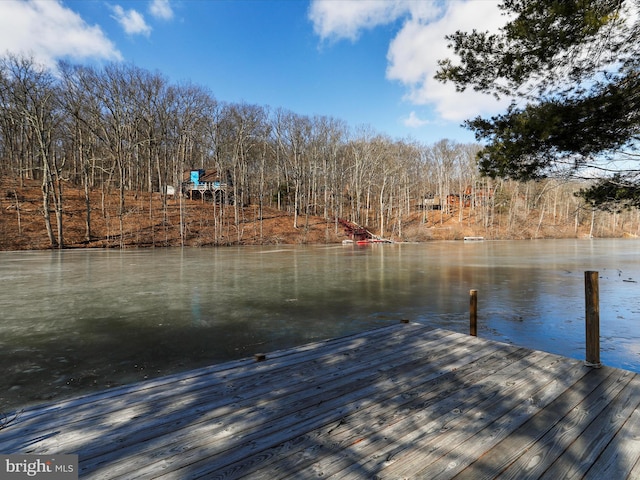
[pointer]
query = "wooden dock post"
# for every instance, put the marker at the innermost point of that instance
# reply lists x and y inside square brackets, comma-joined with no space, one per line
[473,313]
[592,319]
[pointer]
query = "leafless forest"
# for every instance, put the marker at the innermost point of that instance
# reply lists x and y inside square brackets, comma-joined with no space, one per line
[103,144]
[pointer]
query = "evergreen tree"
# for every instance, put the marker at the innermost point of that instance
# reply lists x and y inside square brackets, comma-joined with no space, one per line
[571,69]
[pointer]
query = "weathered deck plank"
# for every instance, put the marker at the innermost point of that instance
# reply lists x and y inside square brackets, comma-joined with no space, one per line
[585,448]
[330,396]
[392,399]
[356,437]
[405,401]
[528,451]
[454,446]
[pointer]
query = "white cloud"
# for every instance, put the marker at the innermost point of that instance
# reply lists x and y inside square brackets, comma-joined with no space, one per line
[415,50]
[413,55]
[161,9]
[345,19]
[48,31]
[131,21]
[413,121]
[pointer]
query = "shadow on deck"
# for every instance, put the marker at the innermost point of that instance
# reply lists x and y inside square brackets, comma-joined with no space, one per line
[405,401]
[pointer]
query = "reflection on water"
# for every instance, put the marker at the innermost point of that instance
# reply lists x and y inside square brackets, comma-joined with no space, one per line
[75,321]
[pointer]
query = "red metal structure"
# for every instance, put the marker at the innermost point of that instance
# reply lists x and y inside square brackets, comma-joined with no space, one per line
[355,231]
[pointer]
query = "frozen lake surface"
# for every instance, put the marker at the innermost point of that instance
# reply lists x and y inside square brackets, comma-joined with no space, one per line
[82,320]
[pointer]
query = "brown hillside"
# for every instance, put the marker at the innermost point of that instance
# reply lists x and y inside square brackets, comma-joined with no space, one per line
[145,223]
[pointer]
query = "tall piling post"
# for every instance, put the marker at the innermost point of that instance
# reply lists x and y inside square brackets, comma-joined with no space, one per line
[592,319]
[473,313]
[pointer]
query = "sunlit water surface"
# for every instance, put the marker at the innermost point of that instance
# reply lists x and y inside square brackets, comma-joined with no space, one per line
[76,321]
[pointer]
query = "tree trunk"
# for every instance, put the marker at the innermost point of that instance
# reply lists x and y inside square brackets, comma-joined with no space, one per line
[46,190]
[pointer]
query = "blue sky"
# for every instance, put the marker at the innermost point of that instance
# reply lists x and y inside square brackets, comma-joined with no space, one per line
[367,62]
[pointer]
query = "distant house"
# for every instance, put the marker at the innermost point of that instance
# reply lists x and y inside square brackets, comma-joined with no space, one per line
[430,202]
[207,183]
[469,198]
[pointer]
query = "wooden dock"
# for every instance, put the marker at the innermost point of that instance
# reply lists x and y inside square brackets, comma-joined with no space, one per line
[405,401]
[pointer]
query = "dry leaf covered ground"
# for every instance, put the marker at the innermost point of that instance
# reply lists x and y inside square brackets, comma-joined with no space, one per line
[146,222]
